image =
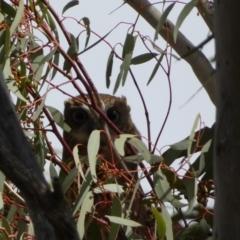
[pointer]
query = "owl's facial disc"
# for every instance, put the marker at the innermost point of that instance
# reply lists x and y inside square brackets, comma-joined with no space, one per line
[113,114]
[79,116]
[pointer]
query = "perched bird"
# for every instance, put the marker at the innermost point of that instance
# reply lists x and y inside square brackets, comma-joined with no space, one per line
[83,120]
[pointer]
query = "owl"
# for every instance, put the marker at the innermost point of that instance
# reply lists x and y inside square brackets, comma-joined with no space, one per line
[83,120]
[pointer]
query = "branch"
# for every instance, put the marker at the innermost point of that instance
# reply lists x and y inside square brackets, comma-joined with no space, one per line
[197,60]
[205,8]
[48,210]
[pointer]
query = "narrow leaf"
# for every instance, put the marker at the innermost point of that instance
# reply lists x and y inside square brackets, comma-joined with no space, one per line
[191,186]
[109,68]
[162,20]
[140,146]
[120,142]
[186,10]
[86,207]
[87,25]
[92,149]
[156,68]
[123,221]
[143,58]
[111,187]
[116,211]
[69,5]
[168,221]
[18,16]
[161,226]
[78,162]
[58,118]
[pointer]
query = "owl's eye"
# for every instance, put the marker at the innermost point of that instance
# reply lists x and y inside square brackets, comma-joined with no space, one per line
[79,116]
[113,115]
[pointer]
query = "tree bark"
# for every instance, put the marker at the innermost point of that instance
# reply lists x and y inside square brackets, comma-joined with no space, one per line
[197,60]
[227,136]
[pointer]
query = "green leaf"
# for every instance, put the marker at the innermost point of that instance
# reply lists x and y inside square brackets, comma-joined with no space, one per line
[72,52]
[143,58]
[92,149]
[87,25]
[192,134]
[126,64]
[18,16]
[141,148]
[39,109]
[155,68]
[83,192]
[2,179]
[163,190]
[191,186]
[186,10]
[120,142]
[156,159]
[52,171]
[69,5]
[58,118]
[36,60]
[123,221]
[182,145]
[161,226]
[134,159]
[162,20]
[116,211]
[128,45]
[78,162]
[6,226]
[111,187]
[69,179]
[168,221]
[86,207]
[109,68]
[118,81]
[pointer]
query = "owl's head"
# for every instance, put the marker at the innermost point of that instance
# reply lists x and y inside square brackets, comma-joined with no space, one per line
[83,119]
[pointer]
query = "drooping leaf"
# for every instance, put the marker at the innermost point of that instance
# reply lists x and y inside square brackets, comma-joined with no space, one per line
[168,221]
[78,162]
[128,45]
[2,179]
[143,58]
[6,226]
[72,53]
[69,179]
[52,171]
[123,221]
[116,211]
[92,149]
[18,16]
[58,118]
[118,80]
[162,20]
[111,187]
[87,25]
[86,207]
[191,186]
[163,190]
[69,5]
[161,226]
[155,68]
[126,64]
[109,68]
[184,13]
[140,146]
[120,142]
[182,145]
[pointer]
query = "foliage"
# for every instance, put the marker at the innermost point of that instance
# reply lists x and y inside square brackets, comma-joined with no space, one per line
[30,56]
